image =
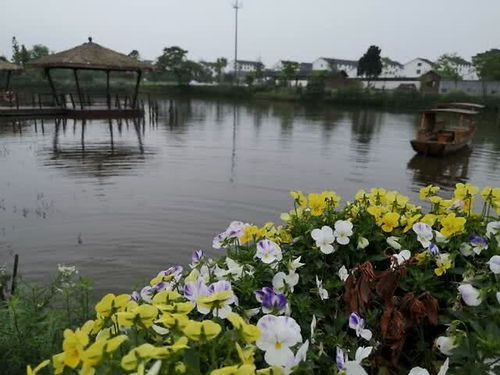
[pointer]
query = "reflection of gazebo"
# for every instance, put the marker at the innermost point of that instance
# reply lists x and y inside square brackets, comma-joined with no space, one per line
[91,56]
[8,68]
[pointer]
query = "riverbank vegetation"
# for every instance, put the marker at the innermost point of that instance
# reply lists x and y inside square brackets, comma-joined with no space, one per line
[374,285]
[33,319]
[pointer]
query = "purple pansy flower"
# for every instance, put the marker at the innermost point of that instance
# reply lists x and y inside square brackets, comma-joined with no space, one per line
[341,359]
[434,249]
[357,323]
[196,257]
[478,243]
[271,302]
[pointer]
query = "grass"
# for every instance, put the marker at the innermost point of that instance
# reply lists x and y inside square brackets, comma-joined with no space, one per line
[32,320]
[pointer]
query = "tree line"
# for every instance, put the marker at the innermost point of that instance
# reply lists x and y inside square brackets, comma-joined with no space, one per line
[173,65]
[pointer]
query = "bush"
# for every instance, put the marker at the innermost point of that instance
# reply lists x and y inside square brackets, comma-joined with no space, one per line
[378,284]
[33,319]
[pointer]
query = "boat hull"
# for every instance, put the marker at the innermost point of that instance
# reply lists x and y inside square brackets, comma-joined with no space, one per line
[433,148]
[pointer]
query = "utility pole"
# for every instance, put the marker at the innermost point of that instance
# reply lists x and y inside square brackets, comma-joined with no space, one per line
[237,6]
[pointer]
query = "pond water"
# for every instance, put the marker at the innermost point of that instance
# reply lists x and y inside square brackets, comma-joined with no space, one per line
[124,200]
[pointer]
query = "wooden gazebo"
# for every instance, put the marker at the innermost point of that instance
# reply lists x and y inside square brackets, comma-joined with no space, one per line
[91,56]
[8,68]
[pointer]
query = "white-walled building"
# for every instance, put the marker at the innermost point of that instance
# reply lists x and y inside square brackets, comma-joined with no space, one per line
[468,72]
[416,67]
[391,68]
[246,66]
[350,67]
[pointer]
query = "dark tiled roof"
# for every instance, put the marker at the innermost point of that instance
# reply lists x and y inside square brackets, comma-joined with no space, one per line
[248,62]
[340,61]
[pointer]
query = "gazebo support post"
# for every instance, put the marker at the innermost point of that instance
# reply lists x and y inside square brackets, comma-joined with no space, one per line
[108,96]
[52,87]
[8,80]
[136,92]
[77,82]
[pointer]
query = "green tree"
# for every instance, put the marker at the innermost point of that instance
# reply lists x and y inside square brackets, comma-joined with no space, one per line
[3,58]
[219,65]
[38,50]
[134,54]
[370,64]
[173,61]
[20,55]
[249,79]
[487,64]
[448,66]
[289,70]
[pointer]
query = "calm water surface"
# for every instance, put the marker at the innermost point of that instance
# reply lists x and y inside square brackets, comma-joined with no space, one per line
[126,200]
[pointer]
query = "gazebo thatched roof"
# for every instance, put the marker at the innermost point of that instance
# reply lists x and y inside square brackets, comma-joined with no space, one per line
[90,56]
[7,66]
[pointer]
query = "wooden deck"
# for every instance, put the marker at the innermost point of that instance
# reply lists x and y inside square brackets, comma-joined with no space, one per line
[70,113]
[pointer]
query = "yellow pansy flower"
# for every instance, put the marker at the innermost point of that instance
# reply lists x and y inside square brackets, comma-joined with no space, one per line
[443,263]
[235,370]
[58,363]
[389,221]
[110,303]
[428,191]
[452,224]
[429,219]
[145,314]
[422,257]
[166,297]
[331,198]
[246,355]
[361,195]
[317,204]
[409,221]
[376,211]
[30,371]
[463,191]
[206,329]
[377,196]
[177,308]
[215,300]
[250,233]
[138,355]
[249,332]
[300,198]
[273,370]
[73,346]
[174,320]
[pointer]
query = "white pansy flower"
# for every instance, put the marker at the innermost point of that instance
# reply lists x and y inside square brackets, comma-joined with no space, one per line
[424,234]
[343,273]
[282,281]
[440,238]
[493,230]
[300,356]
[323,293]
[498,297]
[313,327]
[343,230]
[279,333]
[401,257]
[470,295]
[494,264]
[362,243]
[446,344]
[353,367]
[252,312]
[294,265]
[466,249]
[393,242]
[268,251]
[234,268]
[422,371]
[457,205]
[324,238]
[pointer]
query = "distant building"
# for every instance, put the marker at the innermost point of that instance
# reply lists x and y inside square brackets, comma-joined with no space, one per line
[473,88]
[350,67]
[391,68]
[246,66]
[416,67]
[467,71]
[305,69]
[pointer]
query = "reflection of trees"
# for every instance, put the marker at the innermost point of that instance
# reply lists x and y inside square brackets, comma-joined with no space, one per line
[444,171]
[364,124]
[96,159]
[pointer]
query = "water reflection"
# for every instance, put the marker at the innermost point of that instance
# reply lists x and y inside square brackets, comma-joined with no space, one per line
[445,171]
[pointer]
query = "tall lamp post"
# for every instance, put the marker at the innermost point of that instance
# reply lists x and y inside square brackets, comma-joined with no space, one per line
[236,6]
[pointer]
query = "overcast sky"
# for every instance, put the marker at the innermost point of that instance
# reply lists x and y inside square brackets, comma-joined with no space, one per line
[269,29]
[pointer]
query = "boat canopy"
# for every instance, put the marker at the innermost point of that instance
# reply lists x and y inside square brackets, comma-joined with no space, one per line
[462,105]
[453,110]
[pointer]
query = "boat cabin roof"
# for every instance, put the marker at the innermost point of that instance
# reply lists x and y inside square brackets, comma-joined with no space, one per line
[462,105]
[453,110]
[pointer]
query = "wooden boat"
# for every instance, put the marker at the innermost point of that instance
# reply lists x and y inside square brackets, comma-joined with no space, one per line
[447,128]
